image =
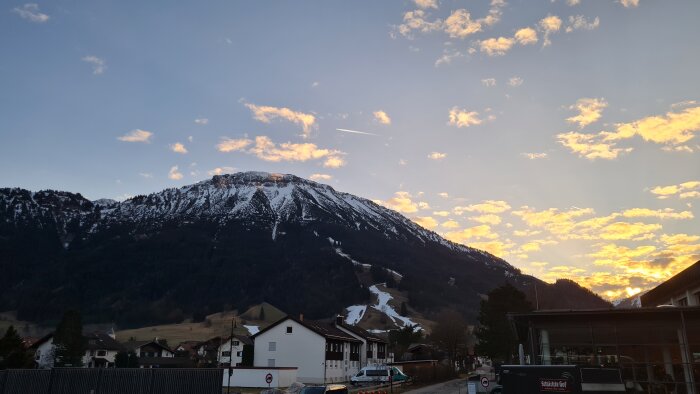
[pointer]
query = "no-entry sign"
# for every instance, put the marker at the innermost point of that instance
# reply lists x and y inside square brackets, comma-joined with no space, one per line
[485,381]
[268,378]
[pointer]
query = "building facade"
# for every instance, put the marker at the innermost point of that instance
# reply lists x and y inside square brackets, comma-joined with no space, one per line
[681,290]
[321,352]
[656,347]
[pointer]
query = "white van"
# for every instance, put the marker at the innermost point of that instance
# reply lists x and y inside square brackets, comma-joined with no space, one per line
[371,374]
[378,374]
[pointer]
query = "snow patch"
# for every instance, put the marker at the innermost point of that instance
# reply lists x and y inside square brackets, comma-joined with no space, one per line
[252,329]
[355,314]
[382,305]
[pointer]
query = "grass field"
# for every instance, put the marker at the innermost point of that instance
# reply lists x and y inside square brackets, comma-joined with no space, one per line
[217,324]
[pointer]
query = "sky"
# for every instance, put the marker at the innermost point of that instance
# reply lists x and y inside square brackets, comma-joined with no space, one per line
[561,135]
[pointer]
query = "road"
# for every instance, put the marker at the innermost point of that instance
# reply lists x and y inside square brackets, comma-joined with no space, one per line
[457,386]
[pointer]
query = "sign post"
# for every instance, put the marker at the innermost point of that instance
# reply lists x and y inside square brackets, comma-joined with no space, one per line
[268,379]
[485,382]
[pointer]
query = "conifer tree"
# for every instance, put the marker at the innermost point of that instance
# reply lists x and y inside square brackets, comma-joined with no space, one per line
[12,351]
[69,342]
[496,338]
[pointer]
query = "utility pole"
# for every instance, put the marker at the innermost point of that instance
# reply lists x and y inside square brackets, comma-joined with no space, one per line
[230,355]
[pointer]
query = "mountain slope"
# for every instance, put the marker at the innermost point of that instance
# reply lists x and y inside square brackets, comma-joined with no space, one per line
[230,241]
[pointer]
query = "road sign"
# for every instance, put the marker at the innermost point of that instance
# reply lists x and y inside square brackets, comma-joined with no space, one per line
[485,381]
[268,378]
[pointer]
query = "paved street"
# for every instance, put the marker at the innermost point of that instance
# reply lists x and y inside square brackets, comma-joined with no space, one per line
[457,386]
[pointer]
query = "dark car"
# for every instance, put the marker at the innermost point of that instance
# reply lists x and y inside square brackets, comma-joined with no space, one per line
[330,389]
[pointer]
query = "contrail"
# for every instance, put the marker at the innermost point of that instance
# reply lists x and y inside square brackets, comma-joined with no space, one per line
[357,132]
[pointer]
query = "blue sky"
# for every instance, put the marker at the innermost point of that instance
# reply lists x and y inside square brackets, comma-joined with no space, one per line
[560,135]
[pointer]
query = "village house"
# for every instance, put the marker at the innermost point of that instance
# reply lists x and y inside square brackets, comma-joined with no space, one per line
[374,348]
[233,347]
[322,352]
[153,354]
[100,350]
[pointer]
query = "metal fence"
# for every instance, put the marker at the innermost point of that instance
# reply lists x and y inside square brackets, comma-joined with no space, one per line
[111,381]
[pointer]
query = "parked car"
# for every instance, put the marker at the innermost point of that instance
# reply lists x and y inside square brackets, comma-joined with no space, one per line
[378,374]
[330,389]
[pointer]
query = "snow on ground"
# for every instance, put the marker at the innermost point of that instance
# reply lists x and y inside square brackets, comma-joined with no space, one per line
[347,256]
[355,314]
[382,306]
[252,329]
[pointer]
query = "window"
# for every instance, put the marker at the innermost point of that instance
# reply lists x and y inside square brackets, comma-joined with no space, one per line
[683,302]
[289,329]
[101,353]
[271,362]
[236,343]
[226,354]
[239,354]
[272,347]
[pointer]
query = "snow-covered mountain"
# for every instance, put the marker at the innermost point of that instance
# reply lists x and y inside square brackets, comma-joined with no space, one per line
[228,241]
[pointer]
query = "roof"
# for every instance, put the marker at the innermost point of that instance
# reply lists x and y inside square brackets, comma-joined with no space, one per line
[604,312]
[101,341]
[133,345]
[241,338]
[42,340]
[188,345]
[326,330]
[362,333]
[689,277]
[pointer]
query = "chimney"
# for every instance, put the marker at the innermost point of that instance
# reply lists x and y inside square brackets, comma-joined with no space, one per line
[339,320]
[301,317]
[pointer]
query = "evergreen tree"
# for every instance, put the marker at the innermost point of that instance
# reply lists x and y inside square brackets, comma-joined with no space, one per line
[12,351]
[69,342]
[495,337]
[404,309]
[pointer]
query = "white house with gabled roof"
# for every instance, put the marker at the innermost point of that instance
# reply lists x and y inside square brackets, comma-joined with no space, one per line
[321,352]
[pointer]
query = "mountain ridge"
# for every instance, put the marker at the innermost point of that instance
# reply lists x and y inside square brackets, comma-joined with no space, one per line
[264,228]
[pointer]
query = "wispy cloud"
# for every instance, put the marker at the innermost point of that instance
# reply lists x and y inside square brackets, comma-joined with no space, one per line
[320,177]
[629,3]
[526,36]
[232,144]
[174,174]
[201,121]
[178,148]
[98,65]
[146,175]
[515,81]
[690,189]
[672,130]
[425,4]
[484,207]
[437,155]
[265,149]
[535,156]
[221,171]
[463,118]
[266,114]
[579,22]
[382,117]
[548,25]
[589,111]
[136,135]
[496,46]
[30,12]
[488,82]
